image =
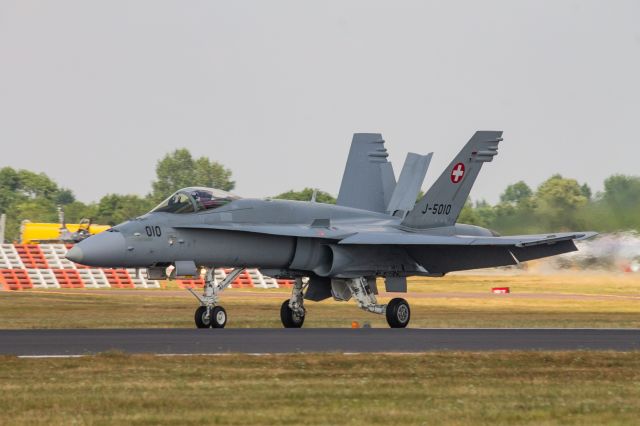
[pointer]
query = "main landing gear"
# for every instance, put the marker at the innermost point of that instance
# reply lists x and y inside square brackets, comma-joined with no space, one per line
[209,314]
[292,311]
[397,310]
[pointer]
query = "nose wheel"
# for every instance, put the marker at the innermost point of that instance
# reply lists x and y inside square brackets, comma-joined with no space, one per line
[214,318]
[202,317]
[209,314]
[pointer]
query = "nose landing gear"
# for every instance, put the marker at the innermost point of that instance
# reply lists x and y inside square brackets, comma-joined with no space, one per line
[209,314]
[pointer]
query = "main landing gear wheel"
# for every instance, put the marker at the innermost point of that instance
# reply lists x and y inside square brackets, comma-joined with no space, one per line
[398,313]
[216,319]
[289,318]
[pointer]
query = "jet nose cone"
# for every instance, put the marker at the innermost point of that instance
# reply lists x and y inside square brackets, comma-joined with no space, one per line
[108,249]
[75,254]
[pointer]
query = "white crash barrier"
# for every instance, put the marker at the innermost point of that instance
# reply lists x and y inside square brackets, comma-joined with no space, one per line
[58,272]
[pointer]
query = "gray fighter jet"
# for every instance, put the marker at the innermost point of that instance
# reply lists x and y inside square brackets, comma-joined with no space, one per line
[376,229]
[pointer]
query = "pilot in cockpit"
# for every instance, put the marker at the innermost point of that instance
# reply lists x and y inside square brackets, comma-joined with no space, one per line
[190,200]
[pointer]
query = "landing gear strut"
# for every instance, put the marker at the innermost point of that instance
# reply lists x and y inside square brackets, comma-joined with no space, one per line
[292,311]
[209,314]
[397,310]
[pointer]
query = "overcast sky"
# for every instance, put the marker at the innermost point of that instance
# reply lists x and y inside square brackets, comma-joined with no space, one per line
[94,93]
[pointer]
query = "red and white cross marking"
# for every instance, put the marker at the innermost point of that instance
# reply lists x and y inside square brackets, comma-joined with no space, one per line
[457,173]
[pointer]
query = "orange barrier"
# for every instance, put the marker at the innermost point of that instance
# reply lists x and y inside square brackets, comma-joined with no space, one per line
[44,266]
[16,279]
[242,281]
[31,256]
[68,278]
[118,278]
[285,283]
[198,283]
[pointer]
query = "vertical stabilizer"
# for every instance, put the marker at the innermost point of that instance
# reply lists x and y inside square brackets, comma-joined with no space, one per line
[411,177]
[368,179]
[444,201]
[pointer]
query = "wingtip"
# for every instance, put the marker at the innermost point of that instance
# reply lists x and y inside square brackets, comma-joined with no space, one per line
[587,235]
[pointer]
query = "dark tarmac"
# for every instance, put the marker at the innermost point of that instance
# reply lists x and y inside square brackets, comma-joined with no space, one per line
[263,341]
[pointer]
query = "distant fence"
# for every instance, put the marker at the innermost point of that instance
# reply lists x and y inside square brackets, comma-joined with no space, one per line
[44,266]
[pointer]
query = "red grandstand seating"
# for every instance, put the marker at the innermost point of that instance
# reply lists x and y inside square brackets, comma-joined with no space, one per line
[68,278]
[15,279]
[118,278]
[32,256]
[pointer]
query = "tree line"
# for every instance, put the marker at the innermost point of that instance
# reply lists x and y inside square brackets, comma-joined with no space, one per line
[34,196]
[557,204]
[560,204]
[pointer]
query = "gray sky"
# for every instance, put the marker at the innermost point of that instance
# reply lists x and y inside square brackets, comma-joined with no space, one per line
[94,93]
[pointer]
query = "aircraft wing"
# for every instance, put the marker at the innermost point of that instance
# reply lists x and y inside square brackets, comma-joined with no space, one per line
[309,231]
[411,238]
[351,237]
[440,254]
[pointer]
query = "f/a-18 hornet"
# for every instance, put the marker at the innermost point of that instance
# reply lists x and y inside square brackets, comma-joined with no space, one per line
[376,229]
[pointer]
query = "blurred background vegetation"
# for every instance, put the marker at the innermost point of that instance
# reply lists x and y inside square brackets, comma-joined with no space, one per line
[558,204]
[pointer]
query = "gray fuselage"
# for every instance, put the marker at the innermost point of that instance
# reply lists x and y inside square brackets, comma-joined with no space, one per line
[284,237]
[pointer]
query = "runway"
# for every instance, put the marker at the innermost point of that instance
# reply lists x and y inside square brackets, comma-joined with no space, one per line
[262,341]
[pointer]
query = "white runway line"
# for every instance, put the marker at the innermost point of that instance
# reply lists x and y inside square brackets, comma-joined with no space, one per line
[51,356]
[225,354]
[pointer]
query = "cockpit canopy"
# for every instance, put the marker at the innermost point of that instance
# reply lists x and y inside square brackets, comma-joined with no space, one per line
[191,200]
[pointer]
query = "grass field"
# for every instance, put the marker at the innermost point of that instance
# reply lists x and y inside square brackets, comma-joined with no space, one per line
[578,300]
[435,388]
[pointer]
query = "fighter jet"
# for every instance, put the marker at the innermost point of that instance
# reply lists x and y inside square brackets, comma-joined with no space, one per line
[376,230]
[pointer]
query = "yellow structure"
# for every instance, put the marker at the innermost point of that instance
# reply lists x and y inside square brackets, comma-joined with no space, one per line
[32,233]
